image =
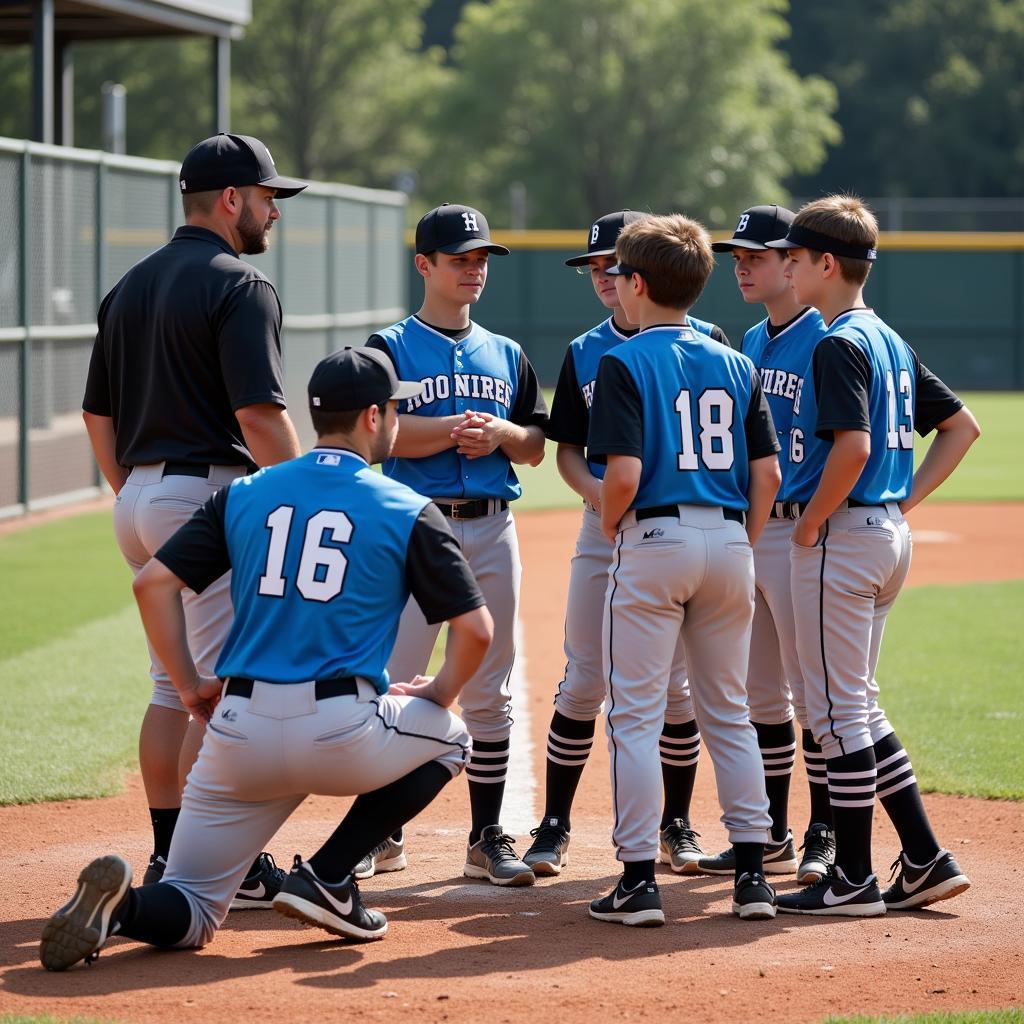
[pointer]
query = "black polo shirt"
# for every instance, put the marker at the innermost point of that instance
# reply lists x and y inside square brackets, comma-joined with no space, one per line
[189,335]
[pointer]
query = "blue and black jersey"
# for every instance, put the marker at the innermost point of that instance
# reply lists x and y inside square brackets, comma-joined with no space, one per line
[690,409]
[864,376]
[324,553]
[472,370]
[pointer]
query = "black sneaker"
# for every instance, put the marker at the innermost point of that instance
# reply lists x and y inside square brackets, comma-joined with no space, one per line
[259,888]
[337,907]
[549,852]
[493,858]
[678,847]
[388,855]
[639,907]
[779,859]
[753,898]
[154,870]
[79,930]
[939,879]
[819,852]
[835,895]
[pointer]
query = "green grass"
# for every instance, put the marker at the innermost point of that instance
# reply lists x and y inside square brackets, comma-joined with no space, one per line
[950,677]
[961,1017]
[990,472]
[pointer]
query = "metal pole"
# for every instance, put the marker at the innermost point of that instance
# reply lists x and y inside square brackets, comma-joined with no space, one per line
[221,84]
[25,300]
[64,93]
[42,70]
[331,265]
[100,256]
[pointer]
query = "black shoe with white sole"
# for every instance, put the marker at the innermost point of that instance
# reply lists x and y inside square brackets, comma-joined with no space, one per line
[336,907]
[779,859]
[259,887]
[939,879]
[835,895]
[79,930]
[753,898]
[819,852]
[639,906]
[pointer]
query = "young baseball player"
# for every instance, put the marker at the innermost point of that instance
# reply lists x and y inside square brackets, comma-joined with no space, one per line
[690,447]
[323,554]
[481,411]
[852,478]
[780,346]
[580,695]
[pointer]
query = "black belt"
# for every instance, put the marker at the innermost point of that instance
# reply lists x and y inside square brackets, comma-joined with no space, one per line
[340,686]
[472,508]
[186,469]
[787,510]
[851,503]
[672,512]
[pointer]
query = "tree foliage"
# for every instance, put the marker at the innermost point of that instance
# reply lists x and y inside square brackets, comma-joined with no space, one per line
[668,104]
[931,94]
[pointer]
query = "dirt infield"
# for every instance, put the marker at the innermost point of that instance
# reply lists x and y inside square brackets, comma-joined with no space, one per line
[462,951]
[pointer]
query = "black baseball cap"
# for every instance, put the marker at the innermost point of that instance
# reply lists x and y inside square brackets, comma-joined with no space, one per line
[756,227]
[225,160]
[453,229]
[603,234]
[356,378]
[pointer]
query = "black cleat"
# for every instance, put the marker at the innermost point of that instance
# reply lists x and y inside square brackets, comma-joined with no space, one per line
[259,888]
[939,879]
[549,852]
[819,853]
[678,847]
[639,907]
[835,895]
[753,898]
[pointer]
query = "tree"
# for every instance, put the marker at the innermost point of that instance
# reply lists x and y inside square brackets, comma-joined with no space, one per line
[665,105]
[931,94]
[337,90]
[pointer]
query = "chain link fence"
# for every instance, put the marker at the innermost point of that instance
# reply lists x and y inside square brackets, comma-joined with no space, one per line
[73,221]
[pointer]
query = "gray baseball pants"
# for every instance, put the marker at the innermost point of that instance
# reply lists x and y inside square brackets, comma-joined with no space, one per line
[492,550]
[581,693]
[843,588]
[697,579]
[262,755]
[147,511]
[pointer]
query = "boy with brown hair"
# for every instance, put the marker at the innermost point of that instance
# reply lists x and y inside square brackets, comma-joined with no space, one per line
[852,476]
[691,453]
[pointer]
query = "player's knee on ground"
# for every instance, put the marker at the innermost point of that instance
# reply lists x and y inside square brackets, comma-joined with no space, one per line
[207,917]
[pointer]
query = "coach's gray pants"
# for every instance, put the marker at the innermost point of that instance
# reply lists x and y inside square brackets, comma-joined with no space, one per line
[492,550]
[581,692]
[147,512]
[695,577]
[843,589]
[263,755]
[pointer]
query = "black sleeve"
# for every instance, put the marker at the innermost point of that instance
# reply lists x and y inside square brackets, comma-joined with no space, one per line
[842,382]
[377,342]
[719,335]
[616,417]
[529,409]
[762,439]
[97,383]
[198,552]
[933,401]
[438,574]
[248,329]
[570,417]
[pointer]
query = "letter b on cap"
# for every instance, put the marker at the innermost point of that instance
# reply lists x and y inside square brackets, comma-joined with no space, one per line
[744,221]
[593,234]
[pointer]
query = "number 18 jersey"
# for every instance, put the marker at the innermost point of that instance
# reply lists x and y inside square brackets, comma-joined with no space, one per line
[690,409]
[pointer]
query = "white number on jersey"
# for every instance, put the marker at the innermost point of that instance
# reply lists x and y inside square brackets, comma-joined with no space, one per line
[796,445]
[714,415]
[900,434]
[321,572]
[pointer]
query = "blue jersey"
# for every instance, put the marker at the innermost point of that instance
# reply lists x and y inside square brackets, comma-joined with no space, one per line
[574,394]
[782,363]
[693,412]
[483,372]
[867,376]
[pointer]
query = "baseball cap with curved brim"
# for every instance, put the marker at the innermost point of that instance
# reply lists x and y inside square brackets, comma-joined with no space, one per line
[603,234]
[233,160]
[756,228]
[356,378]
[453,229]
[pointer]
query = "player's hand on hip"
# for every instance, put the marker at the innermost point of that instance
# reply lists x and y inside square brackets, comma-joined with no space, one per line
[478,434]
[419,686]
[806,534]
[201,698]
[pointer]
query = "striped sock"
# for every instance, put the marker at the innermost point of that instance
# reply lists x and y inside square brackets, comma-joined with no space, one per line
[900,796]
[486,772]
[817,782]
[778,754]
[569,744]
[680,751]
[851,788]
